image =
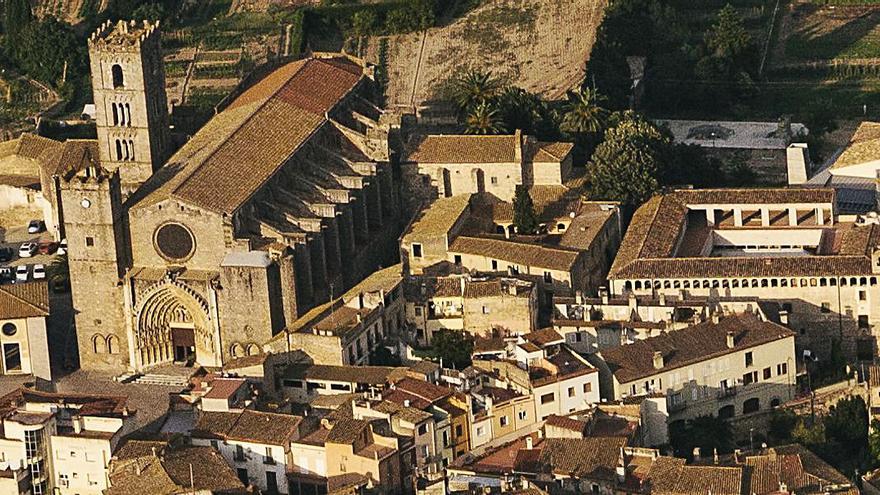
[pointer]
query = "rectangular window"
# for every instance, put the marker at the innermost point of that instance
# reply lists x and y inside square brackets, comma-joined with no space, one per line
[588,387]
[863,295]
[571,391]
[418,310]
[863,321]
[480,431]
[503,421]
[782,369]
[423,428]
[750,378]
[417,250]
[11,358]
[548,277]
[458,431]
[239,453]
[485,310]
[267,458]
[522,415]
[445,438]
[767,373]
[494,265]
[243,476]
[750,359]
[457,259]
[90,241]
[548,398]
[494,180]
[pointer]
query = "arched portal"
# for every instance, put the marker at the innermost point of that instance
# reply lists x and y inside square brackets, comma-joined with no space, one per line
[173,325]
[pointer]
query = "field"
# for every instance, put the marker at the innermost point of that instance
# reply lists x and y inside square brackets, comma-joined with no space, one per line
[541,46]
[814,32]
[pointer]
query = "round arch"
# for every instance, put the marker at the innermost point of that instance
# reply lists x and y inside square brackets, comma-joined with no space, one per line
[172,317]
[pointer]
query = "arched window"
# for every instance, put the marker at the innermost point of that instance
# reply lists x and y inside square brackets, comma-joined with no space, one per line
[131,149]
[118,150]
[112,344]
[774,403]
[726,412]
[118,79]
[115,114]
[252,349]
[751,405]
[128,114]
[99,344]
[236,350]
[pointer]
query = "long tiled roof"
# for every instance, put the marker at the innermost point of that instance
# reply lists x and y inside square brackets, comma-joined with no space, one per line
[864,146]
[649,247]
[670,476]
[250,426]
[373,375]
[460,148]
[437,219]
[24,300]
[239,149]
[690,345]
[522,253]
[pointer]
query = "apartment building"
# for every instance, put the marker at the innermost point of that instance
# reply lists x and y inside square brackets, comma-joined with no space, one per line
[727,366]
[256,444]
[64,441]
[499,412]
[351,447]
[541,365]
[23,339]
[304,382]
[782,245]
[479,305]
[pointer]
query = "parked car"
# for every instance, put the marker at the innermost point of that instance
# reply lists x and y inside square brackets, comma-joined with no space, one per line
[6,274]
[35,227]
[6,254]
[47,247]
[27,249]
[39,271]
[21,273]
[62,247]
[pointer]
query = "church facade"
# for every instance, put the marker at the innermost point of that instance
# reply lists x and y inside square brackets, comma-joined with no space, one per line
[284,199]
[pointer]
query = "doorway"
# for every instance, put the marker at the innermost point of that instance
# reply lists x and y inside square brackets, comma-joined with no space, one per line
[184,342]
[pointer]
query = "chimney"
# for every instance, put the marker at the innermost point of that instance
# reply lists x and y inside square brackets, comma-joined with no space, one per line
[517,150]
[579,297]
[658,360]
[715,455]
[662,299]
[529,443]
[405,402]
[77,425]
[783,317]
[462,284]
[730,342]
[696,453]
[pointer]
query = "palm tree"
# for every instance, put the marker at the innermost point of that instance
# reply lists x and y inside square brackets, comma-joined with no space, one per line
[473,87]
[584,114]
[483,119]
[59,270]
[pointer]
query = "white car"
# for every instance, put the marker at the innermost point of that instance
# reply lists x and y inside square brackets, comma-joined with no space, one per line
[27,250]
[62,247]
[21,273]
[35,227]
[39,271]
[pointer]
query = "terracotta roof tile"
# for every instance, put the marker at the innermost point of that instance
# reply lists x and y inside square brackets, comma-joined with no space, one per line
[347,431]
[864,146]
[690,345]
[523,253]
[461,149]
[24,300]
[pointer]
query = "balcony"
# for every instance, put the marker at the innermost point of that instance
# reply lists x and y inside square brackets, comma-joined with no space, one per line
[726,392]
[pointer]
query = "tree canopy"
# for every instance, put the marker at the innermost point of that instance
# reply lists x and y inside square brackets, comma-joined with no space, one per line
[43,48]
[524,218]
[453,347]
[708,433]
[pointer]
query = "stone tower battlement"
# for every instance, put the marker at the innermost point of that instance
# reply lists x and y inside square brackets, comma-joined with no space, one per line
[124,36]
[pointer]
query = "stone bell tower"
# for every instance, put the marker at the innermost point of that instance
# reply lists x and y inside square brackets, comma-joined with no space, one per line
[128,83]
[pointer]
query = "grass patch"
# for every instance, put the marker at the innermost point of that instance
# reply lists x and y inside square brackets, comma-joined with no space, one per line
[487,28]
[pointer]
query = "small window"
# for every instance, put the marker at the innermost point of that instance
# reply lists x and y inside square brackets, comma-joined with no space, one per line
[571,391]
[522,415]
[548,277]
[480,431]
[494,265]
[90,241]
[863,321]
[767,373]
[457,259]
[423,428]
[458,431]
[588,387]
[118,78]
[548,398]
[826,307]
[863,295]
[494,181]
[750,378]
[418,310]
[417,250]
[503,421]
[750,359]
[782,369]
[486,310]
[9,329]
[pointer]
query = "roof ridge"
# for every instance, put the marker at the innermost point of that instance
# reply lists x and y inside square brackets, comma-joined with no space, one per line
[244,122]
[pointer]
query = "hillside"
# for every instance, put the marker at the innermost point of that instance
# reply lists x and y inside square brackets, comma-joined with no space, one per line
[542,46]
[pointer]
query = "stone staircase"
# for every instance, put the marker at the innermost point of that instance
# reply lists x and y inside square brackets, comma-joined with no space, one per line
[168,375]
[160,379]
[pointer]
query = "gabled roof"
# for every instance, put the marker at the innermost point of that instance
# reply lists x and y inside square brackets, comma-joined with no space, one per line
[240,148]
[864,146]
[248,426]
[24,300]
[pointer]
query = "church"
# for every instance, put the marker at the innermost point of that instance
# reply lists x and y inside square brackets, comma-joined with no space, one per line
[283,200]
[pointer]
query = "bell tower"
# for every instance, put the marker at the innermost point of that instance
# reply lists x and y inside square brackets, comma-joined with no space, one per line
[128,83]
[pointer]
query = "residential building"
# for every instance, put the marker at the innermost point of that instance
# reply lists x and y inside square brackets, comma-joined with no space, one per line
[65,441]
[572,250]
[593,324]
[727,366]
[779,245]
[447,165]
[24,309]
[483,306]
[542,366]
[499,412]
[163,468]
[346,446]
[345,330]
[305,382]
[256,444]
